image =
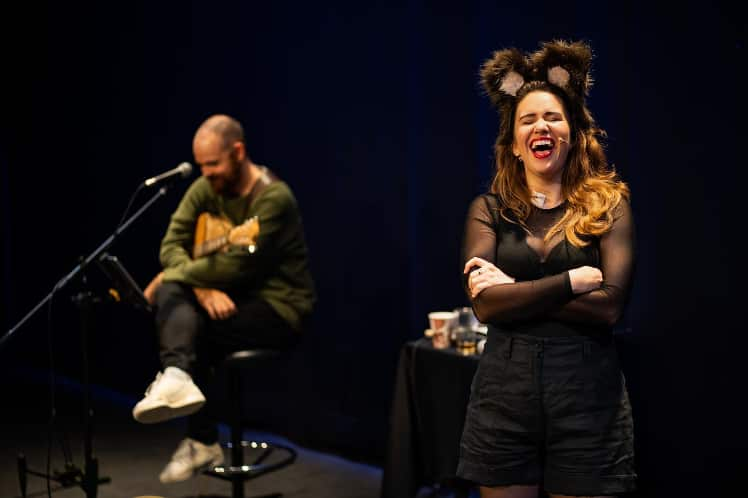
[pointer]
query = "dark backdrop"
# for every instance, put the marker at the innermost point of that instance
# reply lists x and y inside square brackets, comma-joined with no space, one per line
[373,114]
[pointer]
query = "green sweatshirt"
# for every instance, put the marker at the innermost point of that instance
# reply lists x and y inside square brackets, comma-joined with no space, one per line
[278,271]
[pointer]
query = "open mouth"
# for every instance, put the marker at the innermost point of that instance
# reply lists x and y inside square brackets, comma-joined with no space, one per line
[542,147]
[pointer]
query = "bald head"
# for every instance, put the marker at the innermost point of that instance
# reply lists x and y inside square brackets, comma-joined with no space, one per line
[219,150]
[228,129]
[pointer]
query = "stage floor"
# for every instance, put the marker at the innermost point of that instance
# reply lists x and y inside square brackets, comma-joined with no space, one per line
[132,455]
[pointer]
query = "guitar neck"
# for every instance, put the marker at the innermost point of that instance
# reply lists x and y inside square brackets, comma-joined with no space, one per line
[213,233]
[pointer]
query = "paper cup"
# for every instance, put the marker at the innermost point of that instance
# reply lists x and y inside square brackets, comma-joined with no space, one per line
[440,320]
[441,324]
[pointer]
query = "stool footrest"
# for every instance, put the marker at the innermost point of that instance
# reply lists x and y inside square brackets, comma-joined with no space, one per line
[256,469]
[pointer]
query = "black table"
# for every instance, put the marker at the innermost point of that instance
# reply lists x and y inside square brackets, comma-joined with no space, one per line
[432,388]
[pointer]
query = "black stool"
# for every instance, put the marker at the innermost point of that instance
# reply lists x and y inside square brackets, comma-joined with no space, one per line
[237,471]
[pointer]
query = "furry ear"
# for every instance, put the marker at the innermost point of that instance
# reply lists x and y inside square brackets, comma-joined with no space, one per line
[504,74]
[511,83]
[559,76]
[566,65]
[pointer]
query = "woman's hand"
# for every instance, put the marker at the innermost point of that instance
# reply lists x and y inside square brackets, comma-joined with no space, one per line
[153,285]
[217,303]
[487,275]
[585,279]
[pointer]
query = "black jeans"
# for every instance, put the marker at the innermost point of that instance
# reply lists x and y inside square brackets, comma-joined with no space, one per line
[189,339]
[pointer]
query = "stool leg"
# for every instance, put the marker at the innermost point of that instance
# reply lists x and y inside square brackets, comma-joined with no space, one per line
[237,451]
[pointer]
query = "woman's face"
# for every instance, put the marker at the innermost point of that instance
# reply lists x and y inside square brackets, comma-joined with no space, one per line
[542,135]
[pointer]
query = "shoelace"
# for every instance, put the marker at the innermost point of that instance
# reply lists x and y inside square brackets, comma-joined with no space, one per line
[158,376]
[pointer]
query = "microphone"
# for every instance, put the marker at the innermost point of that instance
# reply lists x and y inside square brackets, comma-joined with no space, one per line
[184,169]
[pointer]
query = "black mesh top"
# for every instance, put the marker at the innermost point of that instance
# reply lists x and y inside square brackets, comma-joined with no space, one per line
[541,302]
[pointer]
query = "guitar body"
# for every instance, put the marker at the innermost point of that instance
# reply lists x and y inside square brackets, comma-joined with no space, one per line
[214,233]
[209,227]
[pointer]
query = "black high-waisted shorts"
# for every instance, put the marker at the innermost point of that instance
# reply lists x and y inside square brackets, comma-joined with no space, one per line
[552,412]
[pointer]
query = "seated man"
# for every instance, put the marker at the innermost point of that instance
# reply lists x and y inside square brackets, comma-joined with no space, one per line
[227,300]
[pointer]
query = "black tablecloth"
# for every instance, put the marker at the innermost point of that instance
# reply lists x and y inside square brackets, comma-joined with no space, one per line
[430,398]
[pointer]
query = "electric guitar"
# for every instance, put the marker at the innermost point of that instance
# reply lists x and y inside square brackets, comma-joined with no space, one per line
[216,233]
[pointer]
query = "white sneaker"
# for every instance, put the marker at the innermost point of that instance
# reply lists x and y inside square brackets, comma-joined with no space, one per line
[190,458]
[171,395]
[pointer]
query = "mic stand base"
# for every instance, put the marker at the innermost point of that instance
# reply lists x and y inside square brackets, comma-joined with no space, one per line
[72,476]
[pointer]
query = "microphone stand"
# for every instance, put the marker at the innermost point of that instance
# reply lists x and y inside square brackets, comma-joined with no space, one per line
[88,479]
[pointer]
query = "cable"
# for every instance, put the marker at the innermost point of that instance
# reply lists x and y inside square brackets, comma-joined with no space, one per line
[67,454]
[52,382]
[129,205]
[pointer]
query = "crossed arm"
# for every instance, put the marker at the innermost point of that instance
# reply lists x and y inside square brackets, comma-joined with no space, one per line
[584,294]
[234,268]
[216,302]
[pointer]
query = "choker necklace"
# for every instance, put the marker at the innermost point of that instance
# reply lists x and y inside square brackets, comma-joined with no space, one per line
[538,199]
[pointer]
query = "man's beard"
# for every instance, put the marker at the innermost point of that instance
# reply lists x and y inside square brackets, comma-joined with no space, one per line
[225,185]
[218,185]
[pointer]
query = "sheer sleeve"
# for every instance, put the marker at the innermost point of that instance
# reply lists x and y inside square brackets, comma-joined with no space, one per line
[507,302]
[605,305]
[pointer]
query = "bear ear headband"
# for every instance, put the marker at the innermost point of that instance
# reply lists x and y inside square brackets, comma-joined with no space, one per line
[563,64]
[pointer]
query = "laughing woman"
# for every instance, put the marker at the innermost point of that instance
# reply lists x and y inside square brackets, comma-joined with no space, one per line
[549,256]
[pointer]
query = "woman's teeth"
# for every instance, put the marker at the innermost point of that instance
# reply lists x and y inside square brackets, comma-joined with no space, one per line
[541,148]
